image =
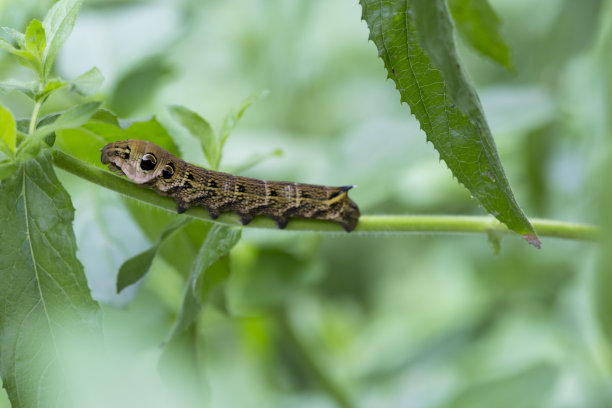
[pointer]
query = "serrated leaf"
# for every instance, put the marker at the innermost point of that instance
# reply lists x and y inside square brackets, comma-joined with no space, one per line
[44,295]
[8,132]
[415,41]
[88,83]
[35,40]
[58,24]
[200,129]
[137,267]
[231,120]
[478,24]
[219,241]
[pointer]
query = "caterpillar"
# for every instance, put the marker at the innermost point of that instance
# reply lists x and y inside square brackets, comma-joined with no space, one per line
[147,164]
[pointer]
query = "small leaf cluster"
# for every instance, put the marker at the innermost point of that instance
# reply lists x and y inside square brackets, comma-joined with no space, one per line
[36,50]
[212,143]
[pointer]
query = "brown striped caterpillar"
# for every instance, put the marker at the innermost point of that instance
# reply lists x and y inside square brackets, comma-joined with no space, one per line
[147,164]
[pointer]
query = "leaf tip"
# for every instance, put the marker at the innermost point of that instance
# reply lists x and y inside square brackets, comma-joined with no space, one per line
[121,283]
[533,239]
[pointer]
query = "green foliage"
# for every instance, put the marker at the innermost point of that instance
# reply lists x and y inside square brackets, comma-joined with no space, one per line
[44,291]
[267,278]
[37,49]
[35,40]
[136,267]
[478,24]
[7,168]
[211,142]
[58,24]
[425,67]
[231,120]
[72,118]
[294,317]
[138,86]
[85,141]
[527,388]
[203,279]
[8,132]
[602,301]
[88,83]
[201,130]
[23,52]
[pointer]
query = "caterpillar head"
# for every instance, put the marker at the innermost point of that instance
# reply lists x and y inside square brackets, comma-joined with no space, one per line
[142,162]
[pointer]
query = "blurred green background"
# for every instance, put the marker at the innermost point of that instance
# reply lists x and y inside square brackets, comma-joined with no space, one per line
[394,320]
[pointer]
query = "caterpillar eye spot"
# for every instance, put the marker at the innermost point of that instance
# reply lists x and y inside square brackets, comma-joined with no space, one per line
[168,171]
[148,162]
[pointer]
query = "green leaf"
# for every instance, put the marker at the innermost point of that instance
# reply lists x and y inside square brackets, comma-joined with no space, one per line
[136,267]
[24,57]
[231,120]
[7,168]
[428,75]
[51,86]
[73,117]
[8,132]
[5,45]
[44,296]
[27,88]
[58,24]
[181,248]
[478,24]
[200,129]
[86,141]
[219,241]
[35,40]
[106,116]
[17,36]
[88,83]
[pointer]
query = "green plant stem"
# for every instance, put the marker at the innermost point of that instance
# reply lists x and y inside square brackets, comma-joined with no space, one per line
[308,361]
[34,119]
[367,223]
